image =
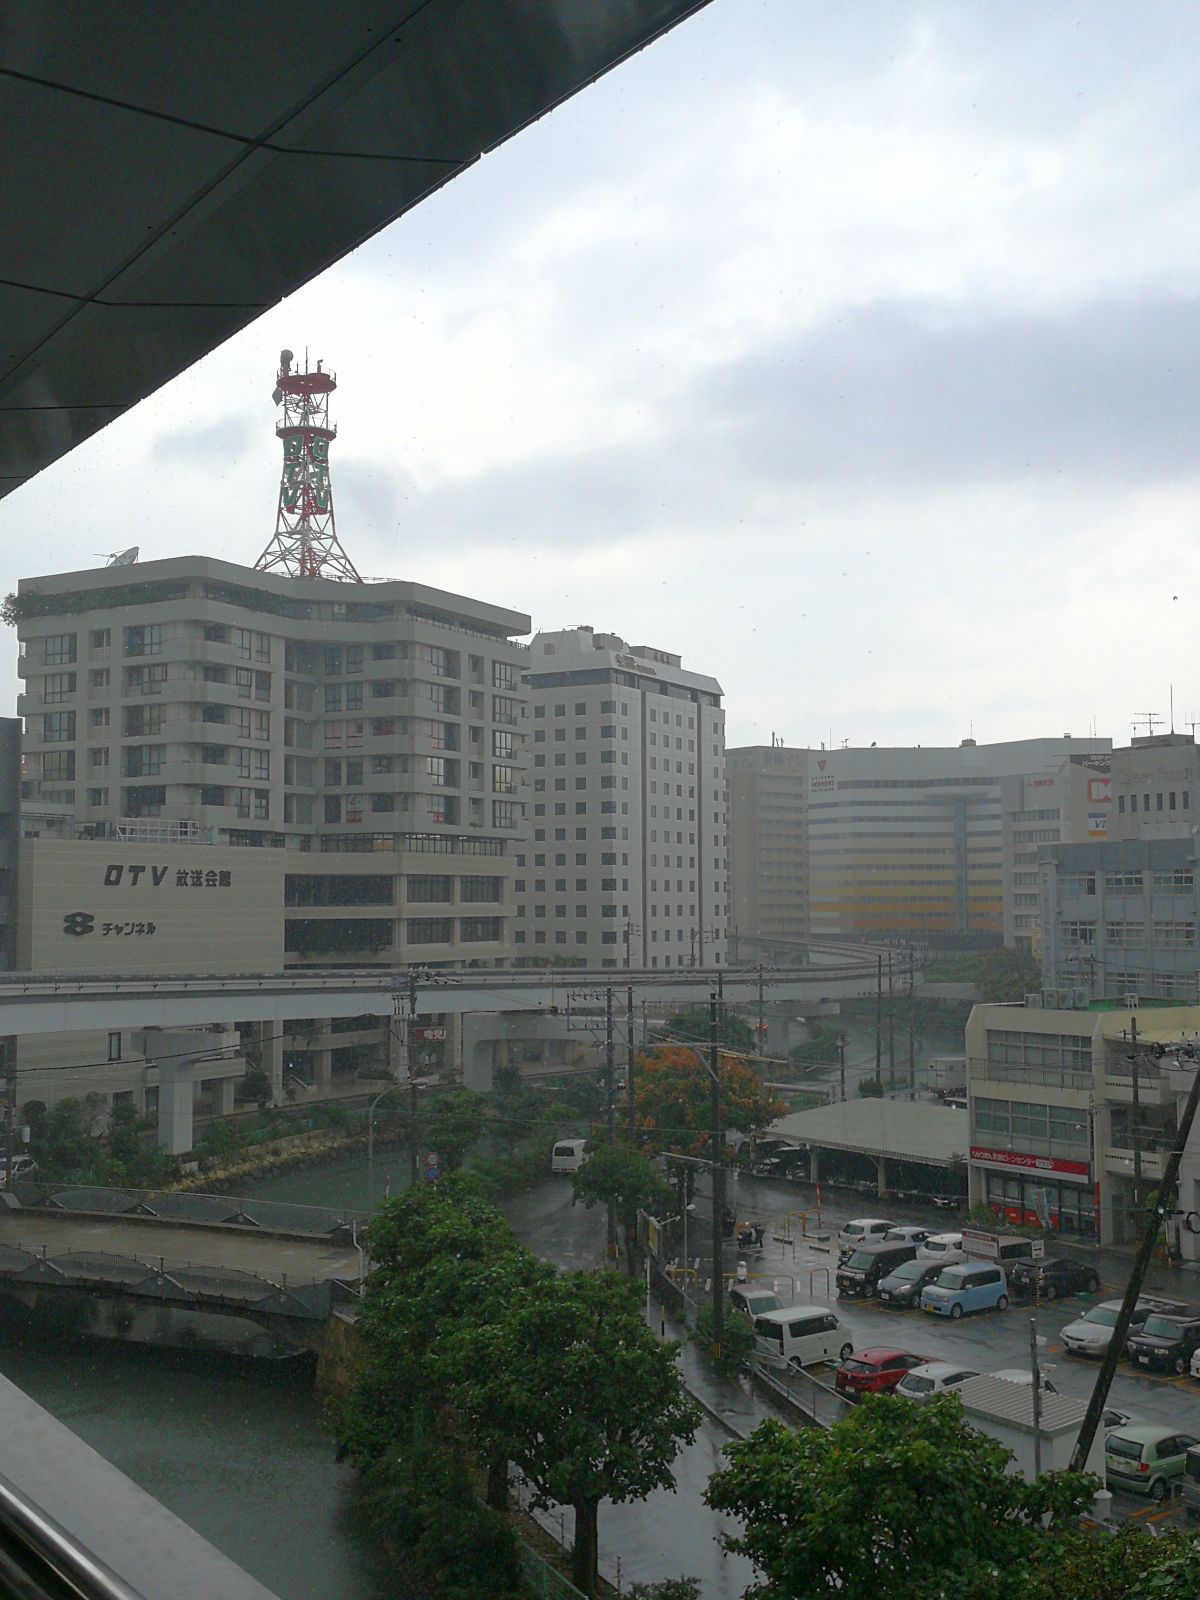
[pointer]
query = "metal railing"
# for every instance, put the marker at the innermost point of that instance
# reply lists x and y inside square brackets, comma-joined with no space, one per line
[40,1560]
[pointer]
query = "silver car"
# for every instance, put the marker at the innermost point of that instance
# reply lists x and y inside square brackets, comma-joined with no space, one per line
[1091,1333]
[926,1382]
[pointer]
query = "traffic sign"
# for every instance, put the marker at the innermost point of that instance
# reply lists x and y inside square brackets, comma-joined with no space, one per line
[1038,1247]
[432,1166]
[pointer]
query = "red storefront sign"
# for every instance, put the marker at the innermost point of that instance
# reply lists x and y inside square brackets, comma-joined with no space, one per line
[1030,1163]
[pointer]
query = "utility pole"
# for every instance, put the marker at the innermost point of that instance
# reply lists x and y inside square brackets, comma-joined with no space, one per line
[630,1096]
[1037,1398]
[912,1028]
[410,1051]
[1136,1118]
[762,1024]
[1120,1333]
[878,1017]
[842,1062]
[891,1021]
[718,1179]
[610,1109]
[9,1049]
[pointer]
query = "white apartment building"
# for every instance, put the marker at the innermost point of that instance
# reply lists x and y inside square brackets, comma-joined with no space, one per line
[627,861]
[303,772]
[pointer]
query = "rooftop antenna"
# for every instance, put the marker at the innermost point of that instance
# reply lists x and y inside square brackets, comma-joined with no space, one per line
[121,558]
[1150,718]
[305,544]
[1172,694]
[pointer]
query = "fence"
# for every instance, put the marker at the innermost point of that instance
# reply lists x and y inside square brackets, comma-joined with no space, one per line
[269,1216]
[541,1578]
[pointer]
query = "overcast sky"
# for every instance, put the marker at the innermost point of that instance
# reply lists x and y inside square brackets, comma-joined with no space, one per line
[851,351]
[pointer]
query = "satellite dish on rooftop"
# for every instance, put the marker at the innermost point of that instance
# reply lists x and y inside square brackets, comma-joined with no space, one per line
[123,558]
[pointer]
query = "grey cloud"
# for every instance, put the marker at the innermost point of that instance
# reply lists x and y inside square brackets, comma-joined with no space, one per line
[216,444]
[895,394]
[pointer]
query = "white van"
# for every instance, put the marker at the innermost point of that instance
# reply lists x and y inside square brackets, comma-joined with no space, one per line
[800,1335]
[568,1155]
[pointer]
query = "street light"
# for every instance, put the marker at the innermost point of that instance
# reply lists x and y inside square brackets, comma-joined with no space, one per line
[391,1088]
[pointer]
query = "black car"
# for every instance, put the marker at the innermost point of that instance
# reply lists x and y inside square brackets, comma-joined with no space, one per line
[1166,1341]
[902,1288]
[864,1268]
[1052,1278]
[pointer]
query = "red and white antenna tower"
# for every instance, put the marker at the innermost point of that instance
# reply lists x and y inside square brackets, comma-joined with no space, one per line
[306,542]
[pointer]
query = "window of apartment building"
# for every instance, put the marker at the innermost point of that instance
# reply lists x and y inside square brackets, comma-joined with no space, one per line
[144,760]
[114,1046]
[99,717]
[1123,882]
[99,639]
[145,639]
[428,930]
[1077,932]
[58,766]
[58,686]
[504,675]
[354,697]
[341,735]
[214,755]
[475,930]
[504,780]
[504,814]
[1126,935]
[504,709]
[58,649]
[355,655]
[502,744]
[212,794]
[145,680]
[262,804]
[99,678]
[1175,935]
[145,801]
[58,727]
[97,797]
[1174,880]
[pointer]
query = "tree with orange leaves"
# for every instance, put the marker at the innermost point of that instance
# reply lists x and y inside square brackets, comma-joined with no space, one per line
[673,1096]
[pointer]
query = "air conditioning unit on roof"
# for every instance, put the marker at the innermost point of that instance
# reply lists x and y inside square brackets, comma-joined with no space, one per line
[1033,1002]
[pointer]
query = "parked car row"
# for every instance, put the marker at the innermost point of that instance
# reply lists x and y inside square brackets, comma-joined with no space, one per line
[1164,1335]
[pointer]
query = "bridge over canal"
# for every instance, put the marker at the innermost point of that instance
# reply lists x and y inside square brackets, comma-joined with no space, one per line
[200,1271]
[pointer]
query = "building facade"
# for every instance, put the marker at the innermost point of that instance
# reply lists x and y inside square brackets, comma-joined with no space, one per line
[1072,1114]
[1070,805]
[768,852]
[910,843]
[227,769]
[193,698]
[1120,917]
[627,860]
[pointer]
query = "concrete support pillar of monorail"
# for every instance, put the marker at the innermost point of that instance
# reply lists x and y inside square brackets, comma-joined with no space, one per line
[267,1039]
[814,1165]
[175,1054]
[881,1175]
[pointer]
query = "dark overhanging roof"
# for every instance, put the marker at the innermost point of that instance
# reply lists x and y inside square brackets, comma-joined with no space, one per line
[170,171]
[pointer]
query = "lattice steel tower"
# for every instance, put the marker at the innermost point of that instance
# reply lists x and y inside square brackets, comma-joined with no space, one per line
[306,542]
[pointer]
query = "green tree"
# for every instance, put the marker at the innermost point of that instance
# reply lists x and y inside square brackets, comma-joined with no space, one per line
[1004,974]
[870,1089]
[691,1025]
[630,1181]
[452,1123]
[576,1390]
[896,1500]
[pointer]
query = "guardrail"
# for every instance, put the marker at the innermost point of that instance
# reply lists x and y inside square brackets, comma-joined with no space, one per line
[39,1560]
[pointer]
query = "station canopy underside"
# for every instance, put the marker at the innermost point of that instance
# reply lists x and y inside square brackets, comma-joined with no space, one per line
[931,1135]
[170,172]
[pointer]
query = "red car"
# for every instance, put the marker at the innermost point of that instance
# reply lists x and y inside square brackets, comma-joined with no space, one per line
[874,1371]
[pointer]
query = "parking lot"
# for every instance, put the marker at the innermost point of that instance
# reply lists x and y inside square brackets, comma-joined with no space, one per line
[988,1341]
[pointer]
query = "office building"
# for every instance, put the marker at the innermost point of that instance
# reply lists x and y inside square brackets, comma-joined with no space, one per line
[627,860]
[768,852]
[229,769]
[1120,917]
[1070,805]
[910,843]
[1072,1113]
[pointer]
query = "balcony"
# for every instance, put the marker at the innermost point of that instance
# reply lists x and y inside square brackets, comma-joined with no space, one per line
[1119,1163]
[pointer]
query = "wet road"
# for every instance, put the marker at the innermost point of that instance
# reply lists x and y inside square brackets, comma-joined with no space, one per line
[668,1534]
